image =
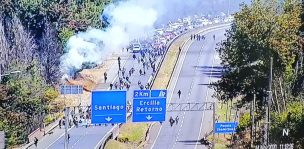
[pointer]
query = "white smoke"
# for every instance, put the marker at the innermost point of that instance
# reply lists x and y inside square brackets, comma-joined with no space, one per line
[128,20]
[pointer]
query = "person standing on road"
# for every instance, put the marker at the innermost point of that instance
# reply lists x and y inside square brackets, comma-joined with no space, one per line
[116,85]
[59,124]
[176,119]
[35,141]
[134,56]
[179,93]
[171,121]
[105,75]
[119,63]
[69,137]
[111,86]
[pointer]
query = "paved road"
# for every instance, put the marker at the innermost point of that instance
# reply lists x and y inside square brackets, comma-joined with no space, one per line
[197,67]
[82,137]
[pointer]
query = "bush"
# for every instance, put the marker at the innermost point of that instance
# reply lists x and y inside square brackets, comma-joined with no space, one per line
[49,119]
[244,122]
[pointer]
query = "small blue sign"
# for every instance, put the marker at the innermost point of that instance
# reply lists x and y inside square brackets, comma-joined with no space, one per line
[149,108]
[226,127]
[71,89]
[108,107]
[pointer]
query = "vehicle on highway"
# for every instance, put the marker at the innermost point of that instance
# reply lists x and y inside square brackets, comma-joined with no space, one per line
[216,20]
[136,47]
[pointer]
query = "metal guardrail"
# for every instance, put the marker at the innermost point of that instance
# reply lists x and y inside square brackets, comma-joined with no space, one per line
[174,39]
[176,107]
[109,134]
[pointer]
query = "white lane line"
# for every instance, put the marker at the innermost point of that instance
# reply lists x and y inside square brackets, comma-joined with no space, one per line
[206,31]
[188,99]
[58,138]
[207,94]
[86,132]
[184,113]
[174,85]
[99,142]
[116,76]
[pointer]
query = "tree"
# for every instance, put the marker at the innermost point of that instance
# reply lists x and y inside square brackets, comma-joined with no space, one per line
[22,108]
[50,53]
[261,30]
[292,119]
[23,44]
[4,48]
[253,38]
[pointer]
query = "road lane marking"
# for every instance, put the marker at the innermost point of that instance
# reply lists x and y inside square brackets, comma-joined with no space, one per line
[86,132]
[188,99]
[59,138]
[206,31]
[184,113]
[209,81]
[174,85]
[99,142]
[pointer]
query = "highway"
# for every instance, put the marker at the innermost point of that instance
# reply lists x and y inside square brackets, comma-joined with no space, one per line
[198,65]
[83,137]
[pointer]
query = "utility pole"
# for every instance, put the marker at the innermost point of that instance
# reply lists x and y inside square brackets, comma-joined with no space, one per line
[213,146]
[66,128]
[228,7]
[268,107]
[252,125]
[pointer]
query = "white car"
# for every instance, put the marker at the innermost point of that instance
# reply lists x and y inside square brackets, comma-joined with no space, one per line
[216,21]
[136,47]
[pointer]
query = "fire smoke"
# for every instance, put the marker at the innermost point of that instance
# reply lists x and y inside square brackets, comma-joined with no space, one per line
[129,20]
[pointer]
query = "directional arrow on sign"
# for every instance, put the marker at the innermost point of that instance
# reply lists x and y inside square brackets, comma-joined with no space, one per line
[162,94]
[108,119]
[148,117]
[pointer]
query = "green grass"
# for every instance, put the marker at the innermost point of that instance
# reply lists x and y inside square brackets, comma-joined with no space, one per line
[221,110]
[113,144]
[134,133]
[220,146]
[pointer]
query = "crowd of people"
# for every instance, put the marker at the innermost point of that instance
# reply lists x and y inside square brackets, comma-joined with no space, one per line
[143,61]
[81,117]
[197,37]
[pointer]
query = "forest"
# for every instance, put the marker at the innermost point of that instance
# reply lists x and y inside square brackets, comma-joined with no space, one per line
[33,34]
[265,39]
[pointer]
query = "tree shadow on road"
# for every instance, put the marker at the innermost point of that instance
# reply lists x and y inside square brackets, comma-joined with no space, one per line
[211,71]
[190,142]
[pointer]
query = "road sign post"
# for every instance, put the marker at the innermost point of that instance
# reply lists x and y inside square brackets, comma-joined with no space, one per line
[149,105]
[213,124]
[108,107]
[66,123]
[69,89]
[225,127]
[2,140]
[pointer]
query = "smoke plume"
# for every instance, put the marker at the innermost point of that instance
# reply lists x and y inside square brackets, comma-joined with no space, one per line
[132,19]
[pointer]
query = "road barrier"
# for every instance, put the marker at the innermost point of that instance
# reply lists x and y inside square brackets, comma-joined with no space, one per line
[196,30]
[110,135]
